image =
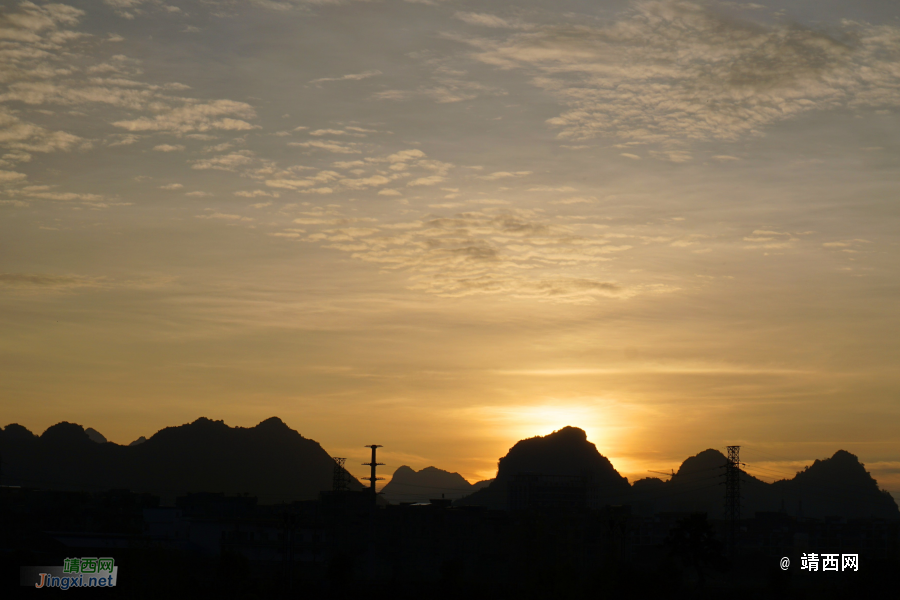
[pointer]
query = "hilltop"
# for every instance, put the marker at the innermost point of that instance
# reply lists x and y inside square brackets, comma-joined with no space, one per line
[270,460]
[408,485]
[566,452]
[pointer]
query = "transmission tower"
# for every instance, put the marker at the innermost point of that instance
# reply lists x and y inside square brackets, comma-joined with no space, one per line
[372,478]
[733,493]
[339,480]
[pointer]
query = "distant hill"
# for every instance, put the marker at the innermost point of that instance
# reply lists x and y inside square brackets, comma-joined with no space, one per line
[698,486]
[270,460]
[407,485]
[95,435]
[837,486]
[276,463]
[566,452]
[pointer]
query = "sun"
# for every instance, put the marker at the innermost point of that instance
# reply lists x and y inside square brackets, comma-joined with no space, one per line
[526,421]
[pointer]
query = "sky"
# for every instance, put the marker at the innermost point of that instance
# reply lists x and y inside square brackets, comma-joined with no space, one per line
[444,226]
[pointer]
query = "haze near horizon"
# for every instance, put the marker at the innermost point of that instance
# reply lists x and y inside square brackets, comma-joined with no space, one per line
[444,226]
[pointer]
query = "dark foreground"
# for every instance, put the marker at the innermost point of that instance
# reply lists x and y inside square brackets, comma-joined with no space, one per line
[341,546]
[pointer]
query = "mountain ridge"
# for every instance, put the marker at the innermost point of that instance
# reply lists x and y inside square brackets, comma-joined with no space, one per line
[409,485]
[269,460]
[276,463]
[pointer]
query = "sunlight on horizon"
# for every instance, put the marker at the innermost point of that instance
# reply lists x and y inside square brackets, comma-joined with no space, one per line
[446,231]
[519,422]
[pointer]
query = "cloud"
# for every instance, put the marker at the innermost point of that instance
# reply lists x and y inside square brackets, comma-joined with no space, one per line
[32,20]
[348,164]
[445,90]
[575,200]
[194,116]
[223,147]
[225,162]
[319,132]
[489,251]
[489,201]
[429,180]
[45,281]
[256,194]
[10,176]
[45,192]
[169,148]
[853,246]
[336,147]
[549,188]
[171,186]
[123,140]
[364,182]
[389,193]
[290,184]
[350,77]
[447,85]
[359,174]
[405,156]
[767,239]
[675,156]
[224,217]
[14,157]
[20,135]
[675,72]
[485,20]
[306,182]
[504,175]
[122,7]
[118,92]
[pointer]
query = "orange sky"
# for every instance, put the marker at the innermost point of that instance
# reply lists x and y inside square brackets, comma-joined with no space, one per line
[673,224]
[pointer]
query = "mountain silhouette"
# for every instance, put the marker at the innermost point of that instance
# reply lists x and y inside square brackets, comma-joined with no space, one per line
[566,453]
[837,486]
[95,435]
[697,486]
[270,460]
[408,485]
[276,464]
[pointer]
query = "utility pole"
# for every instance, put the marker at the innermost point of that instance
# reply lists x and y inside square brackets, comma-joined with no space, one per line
[733,494]
[372,478]
[339,480]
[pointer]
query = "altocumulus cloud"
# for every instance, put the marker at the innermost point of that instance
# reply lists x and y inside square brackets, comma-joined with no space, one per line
[493,251]
[46,63]
[673,72]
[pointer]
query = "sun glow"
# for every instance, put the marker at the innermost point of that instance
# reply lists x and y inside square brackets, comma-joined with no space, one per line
[525,421]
